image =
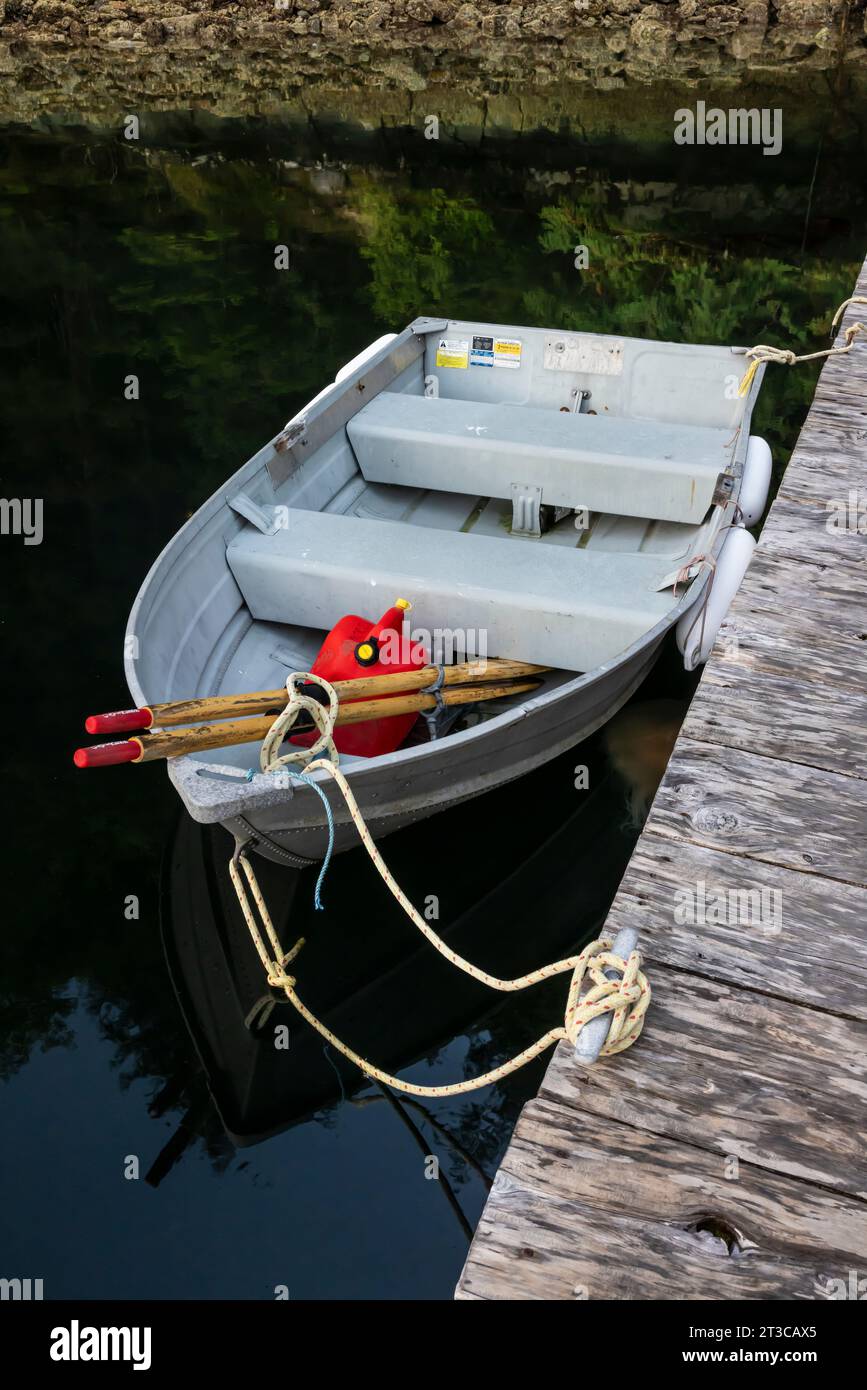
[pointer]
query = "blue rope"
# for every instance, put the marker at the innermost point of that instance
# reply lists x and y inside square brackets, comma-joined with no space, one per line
[302,777]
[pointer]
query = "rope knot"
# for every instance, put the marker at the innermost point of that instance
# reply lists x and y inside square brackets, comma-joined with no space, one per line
[298,703]
[278,979]
[762,352]
[626,998]
[277,975]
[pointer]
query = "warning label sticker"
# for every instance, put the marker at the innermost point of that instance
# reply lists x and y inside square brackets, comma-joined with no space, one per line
[507,352]
[482,354]
[453,352]
[495,352]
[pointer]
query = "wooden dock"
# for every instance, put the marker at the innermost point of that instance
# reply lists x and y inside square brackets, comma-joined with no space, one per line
[723,1157]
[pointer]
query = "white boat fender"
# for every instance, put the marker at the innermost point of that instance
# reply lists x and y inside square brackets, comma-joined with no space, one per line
[756,480]
[594,1034]
[697,629]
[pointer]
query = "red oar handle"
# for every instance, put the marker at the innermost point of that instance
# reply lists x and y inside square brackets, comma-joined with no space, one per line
[106,754]
[122,721]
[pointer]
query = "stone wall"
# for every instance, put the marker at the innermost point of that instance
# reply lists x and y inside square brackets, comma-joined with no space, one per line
[774,30]
[95,56]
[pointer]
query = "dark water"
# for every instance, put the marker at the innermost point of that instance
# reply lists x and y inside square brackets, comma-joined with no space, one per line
[157,260]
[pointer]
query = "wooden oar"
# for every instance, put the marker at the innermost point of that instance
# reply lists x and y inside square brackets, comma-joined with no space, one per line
[172,743]
[177,712]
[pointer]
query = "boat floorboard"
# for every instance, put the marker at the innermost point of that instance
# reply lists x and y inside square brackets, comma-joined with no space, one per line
[723,1156]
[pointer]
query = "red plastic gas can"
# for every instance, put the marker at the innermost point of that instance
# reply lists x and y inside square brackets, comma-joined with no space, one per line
[356,647]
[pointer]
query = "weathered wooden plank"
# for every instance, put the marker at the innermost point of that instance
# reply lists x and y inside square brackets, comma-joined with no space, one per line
[843,370]
[768,1082]
[840,398]
[538,1247]
[757,636]
[781,813]
[672,1181]
[786,934]
[829,435]
[825,481]
[801,529]
[825,464]
[825,593]
[586,1207]
[840,387]
[817,724]
[845,410]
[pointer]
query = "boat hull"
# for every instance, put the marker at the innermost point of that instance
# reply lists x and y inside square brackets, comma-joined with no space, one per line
[291,828]
[193,632]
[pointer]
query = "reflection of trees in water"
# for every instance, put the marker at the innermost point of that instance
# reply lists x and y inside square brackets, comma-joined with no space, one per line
[30,1023]
[120,261]
[426,250]
[677,289]
[433,251]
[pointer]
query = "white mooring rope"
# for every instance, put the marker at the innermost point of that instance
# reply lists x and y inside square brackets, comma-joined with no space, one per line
[626,998]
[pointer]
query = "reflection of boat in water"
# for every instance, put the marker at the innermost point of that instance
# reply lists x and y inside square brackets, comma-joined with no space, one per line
[533,887]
